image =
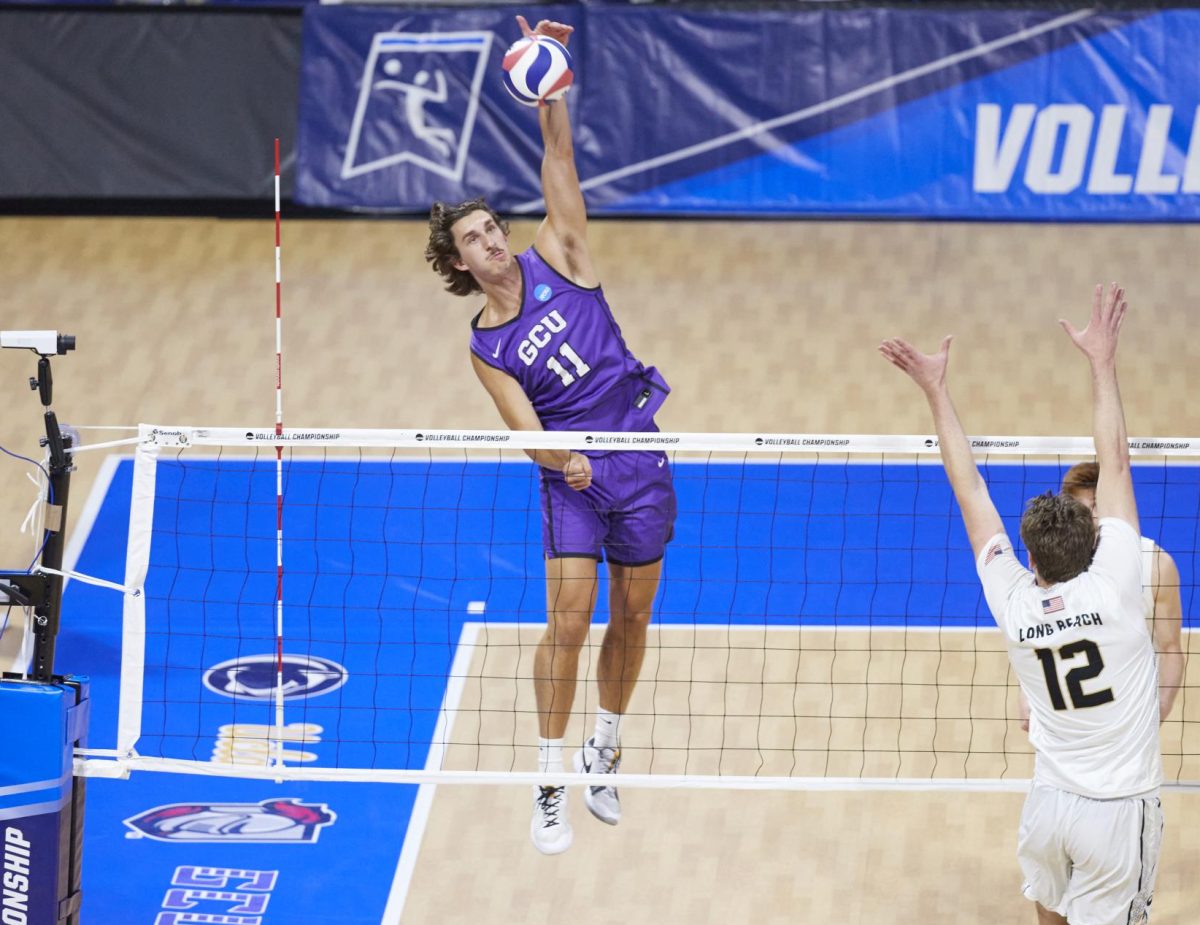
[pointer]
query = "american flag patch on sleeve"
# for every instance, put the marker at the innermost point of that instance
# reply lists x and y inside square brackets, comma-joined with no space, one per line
[992,553]
[1052,605]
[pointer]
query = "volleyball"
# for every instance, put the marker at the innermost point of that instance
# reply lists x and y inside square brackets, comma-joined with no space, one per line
[537,68]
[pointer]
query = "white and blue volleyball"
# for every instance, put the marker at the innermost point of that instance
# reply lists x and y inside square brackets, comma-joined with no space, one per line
[537,68]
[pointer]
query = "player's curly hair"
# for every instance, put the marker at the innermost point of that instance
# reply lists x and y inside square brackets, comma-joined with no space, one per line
[441,251]
[1060,535]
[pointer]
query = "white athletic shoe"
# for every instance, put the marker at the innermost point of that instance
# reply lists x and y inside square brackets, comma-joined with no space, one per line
[550,828]
[603,801]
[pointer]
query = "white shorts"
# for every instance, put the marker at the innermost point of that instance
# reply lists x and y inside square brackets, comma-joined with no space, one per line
[1091,861]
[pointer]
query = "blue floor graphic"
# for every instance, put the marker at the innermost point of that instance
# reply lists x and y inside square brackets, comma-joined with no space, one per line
[383,561]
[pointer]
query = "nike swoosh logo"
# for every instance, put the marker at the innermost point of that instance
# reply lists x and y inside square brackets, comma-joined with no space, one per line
[661,461]
[496,355]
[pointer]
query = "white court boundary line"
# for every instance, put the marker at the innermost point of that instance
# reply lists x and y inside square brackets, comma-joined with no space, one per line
[837,102]
[415,833]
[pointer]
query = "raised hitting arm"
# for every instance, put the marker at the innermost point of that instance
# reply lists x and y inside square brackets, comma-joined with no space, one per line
[929,373]
[1098,342]
[562,237]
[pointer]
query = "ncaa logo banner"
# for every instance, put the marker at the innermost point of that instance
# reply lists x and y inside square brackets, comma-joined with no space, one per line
[1006,114]
[401,109]
[406,75]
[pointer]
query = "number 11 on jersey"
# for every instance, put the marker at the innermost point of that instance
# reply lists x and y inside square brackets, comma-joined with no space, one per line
[581,368]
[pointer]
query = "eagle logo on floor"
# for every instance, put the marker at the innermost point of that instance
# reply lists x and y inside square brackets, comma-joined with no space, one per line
[281,821]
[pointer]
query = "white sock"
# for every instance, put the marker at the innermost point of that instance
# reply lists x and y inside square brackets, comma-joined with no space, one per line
[550,755]
[608,728]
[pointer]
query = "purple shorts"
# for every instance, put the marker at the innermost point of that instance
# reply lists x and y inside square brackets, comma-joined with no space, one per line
[628,510]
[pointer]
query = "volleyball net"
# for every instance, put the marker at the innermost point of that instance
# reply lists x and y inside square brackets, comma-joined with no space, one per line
[819,622]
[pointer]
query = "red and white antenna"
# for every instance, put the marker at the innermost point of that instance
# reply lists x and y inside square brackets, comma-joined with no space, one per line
[277,760]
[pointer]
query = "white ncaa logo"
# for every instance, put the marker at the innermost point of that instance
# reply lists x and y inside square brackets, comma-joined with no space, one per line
[417,102]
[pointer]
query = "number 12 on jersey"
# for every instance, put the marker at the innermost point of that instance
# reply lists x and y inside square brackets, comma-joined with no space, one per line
[1076,676]
[581,368]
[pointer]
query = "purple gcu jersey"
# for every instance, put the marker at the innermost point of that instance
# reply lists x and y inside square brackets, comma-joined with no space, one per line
[567,353]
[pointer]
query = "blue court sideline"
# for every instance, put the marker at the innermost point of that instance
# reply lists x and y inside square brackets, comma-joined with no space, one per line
[755,544]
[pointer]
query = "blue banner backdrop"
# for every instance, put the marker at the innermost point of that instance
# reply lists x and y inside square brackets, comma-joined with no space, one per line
[1003,114]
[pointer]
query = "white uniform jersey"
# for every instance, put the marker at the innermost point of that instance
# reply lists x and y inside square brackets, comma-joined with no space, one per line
[1149,548]
[1082,653]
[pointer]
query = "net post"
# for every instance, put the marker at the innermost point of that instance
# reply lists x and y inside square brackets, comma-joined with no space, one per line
[41,592]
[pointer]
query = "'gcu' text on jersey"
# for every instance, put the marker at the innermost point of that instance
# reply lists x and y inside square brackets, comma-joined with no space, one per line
[566,351]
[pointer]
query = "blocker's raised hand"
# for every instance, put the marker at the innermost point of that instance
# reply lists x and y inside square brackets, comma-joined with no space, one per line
[928,370]
[1098,341]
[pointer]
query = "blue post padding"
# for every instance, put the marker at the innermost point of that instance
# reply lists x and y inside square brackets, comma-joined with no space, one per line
[39,726]
[79,716]
[33,723]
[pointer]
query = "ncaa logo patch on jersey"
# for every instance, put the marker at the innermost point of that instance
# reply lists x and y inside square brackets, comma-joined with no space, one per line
[417,103]
[543,292]
[286,821]
[253,677]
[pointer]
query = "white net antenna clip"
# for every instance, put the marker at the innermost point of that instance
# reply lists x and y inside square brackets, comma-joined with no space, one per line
[91,580]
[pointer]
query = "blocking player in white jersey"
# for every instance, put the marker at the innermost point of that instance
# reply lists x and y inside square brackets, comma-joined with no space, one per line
[1160,597]
[1074,622]
[1160,593]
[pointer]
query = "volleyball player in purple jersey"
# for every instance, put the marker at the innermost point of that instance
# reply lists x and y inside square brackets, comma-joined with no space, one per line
[548,351]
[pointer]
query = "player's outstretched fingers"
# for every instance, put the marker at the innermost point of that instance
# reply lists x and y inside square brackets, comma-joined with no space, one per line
[905,351]
[1093,320]
[1115,294]
[892,351]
